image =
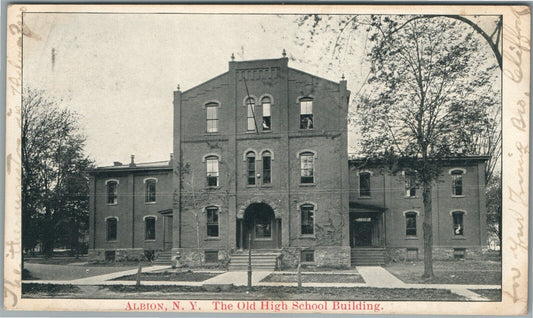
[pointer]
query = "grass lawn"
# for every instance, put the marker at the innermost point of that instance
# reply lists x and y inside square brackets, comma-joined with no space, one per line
[238,293]
[67,272]
[449,272]
[315,278]
[492,294]
[188,276]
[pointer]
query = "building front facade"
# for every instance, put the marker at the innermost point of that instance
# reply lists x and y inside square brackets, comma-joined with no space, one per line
[260,162]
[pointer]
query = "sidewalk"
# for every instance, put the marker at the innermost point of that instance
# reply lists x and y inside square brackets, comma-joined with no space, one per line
[374,276]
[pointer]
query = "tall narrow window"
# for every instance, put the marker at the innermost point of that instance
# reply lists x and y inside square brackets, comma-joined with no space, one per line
[267,124]
[458,227]
[111,229]
[250,106]
[250,162]
[212,171]
[150,191]
[149,228]
[457,182]
[307,174]
[410,184]
[212,117]
[307,217]
[364,184]
[267,168]
[410,223]
[112,192]
[212,221]
[306,114]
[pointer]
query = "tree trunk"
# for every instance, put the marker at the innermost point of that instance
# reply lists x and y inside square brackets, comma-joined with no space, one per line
[428,232]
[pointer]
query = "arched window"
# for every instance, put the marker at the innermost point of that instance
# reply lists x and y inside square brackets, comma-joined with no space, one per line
[364,184]
[458,225]
[112,186]
[212,221]
[267,167]
[266,103]
[457,182]
[307,167]
[306,113]
[250,106]
[307,219]
[250,163]
[410,223]
[111,228]
[212,117]
[149,228]
[212,171]
[150,190]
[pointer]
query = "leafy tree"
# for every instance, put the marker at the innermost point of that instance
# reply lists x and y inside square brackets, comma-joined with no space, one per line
[431,92]
[494,207]
[54,183]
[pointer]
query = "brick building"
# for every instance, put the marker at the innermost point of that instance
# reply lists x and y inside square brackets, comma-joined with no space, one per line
[260,161]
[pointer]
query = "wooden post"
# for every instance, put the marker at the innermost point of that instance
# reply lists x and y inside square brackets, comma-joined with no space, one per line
[139,269]
[299,275]
[249,261]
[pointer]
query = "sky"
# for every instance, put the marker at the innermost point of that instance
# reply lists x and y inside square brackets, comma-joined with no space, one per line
[119,71]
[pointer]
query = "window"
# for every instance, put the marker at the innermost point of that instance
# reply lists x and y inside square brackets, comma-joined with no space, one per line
[250,106]
[211,256]
[150,190]
[250,161]
[149,228]
[412,254]
[263,226]
[459,253]
[307,219]
[307,168]
[212,117]
[112,192]
[458,227]
[111,229]
[267,124]
[410,184]
[410,223]
[212,171]
[457,182]
[307,256]
[267,168]
[212,221]
[110,256]
[364,184]
[306,114]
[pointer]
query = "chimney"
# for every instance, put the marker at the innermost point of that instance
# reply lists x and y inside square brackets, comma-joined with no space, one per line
[117,163]
[171,158]
[132,163]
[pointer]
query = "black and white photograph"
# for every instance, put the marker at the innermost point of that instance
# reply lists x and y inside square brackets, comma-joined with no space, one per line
[267,159]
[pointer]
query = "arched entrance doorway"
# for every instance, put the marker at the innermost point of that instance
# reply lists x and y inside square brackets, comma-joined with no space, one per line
[259,228]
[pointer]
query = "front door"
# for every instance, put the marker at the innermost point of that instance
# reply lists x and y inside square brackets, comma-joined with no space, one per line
[259,227]
[365,230]
[167,232]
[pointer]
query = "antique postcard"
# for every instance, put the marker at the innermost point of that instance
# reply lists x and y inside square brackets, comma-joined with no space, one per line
[267,159]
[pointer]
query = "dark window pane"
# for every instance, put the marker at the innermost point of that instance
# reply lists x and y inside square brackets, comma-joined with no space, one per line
[212,222]
[364,184]
[111,192]
[266,168]
[111,229]
[263,226]
[307,220]
[150,228]
[410,224]
[458,228]
[150,191]
[251,168]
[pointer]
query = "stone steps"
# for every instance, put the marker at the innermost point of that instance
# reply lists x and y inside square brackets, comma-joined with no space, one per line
[260,261]
[367,256]
[163,258]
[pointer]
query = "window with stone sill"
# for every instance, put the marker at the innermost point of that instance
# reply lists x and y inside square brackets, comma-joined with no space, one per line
[458,225]
[149,230]
[212,222]
[267,117]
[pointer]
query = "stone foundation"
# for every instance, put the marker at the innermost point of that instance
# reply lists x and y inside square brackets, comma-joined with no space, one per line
[399,254]
[335,257]
[196,257]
